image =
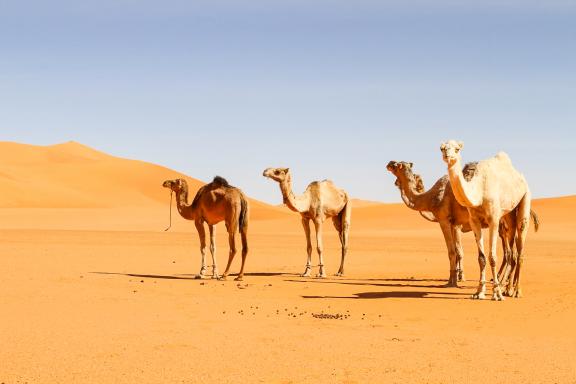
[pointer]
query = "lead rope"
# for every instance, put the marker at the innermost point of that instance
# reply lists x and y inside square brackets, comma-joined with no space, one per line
[170,210]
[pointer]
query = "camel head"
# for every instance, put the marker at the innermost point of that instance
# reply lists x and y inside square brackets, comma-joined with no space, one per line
[451,151]
[175,185]
[402,170]
[277,174]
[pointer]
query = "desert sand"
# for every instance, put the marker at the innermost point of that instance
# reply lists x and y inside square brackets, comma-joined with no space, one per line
[94,291]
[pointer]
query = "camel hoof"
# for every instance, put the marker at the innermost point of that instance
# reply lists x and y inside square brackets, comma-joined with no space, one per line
[221,278]
[339,274]
[497,297]
[479,296]
[321,276]
[305,274]
[518,294]
[239,278]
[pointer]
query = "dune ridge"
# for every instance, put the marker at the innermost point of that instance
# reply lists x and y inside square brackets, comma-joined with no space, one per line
[73,175]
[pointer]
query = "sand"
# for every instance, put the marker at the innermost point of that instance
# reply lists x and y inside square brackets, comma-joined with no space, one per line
[99,293]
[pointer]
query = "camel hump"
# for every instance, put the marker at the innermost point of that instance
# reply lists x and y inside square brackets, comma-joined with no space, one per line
[220,182]
[470,170]
[503,156]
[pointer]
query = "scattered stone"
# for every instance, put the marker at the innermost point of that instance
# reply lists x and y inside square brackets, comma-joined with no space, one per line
[328,316]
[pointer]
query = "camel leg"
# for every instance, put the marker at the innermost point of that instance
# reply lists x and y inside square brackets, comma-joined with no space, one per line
[508,247]
[306,225]
[319,248]
[523,222]
[343,228]
[244,238]
[232,242]
[213,251]
[493,238]
[202,235]
[506,230]
[511,271]
[478,236]
[457,238]
[447,232]
[504,265]
[344,233]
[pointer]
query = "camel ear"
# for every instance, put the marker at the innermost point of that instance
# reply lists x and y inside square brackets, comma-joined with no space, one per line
[286,170]
[442,146]
[461,144]
[410,165]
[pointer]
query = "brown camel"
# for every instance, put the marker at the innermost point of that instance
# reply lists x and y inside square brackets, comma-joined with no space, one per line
[441,206]
[213,203]
[440,202]
[321,200]
[495,189]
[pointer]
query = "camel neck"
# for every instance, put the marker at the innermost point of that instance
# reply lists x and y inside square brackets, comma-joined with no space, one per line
[186,210]
[465,192]
[412,199]
[291,201]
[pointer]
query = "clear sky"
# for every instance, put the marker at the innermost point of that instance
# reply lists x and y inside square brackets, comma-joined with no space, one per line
[331,89]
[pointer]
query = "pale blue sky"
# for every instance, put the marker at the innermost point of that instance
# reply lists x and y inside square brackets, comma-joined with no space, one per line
[332,89]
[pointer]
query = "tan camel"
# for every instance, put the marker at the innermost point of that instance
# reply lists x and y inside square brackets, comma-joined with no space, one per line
[495,189]
[213,203]
[441,206]
[321,200]
[507,230]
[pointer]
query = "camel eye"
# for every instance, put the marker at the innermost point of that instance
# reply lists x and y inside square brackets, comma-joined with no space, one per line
[276,172]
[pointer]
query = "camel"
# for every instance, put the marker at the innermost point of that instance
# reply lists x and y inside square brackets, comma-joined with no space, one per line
[444,209]
[509,262]
[495,189]
[321,200]
[215,202]
[441,206]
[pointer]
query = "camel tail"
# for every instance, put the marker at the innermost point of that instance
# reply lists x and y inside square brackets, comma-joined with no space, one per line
[346,212]
[243,220]
[535,220]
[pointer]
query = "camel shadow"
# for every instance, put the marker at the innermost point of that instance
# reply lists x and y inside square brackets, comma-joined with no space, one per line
[168,277]
[405,279]
[269,274]
[398,285]
[192,276]
[391,295]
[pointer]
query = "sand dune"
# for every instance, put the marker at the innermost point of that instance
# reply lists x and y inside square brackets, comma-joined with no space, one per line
[74,176]
[94,291]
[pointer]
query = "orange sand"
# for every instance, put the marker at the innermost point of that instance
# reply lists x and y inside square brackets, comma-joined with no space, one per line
[98,293]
